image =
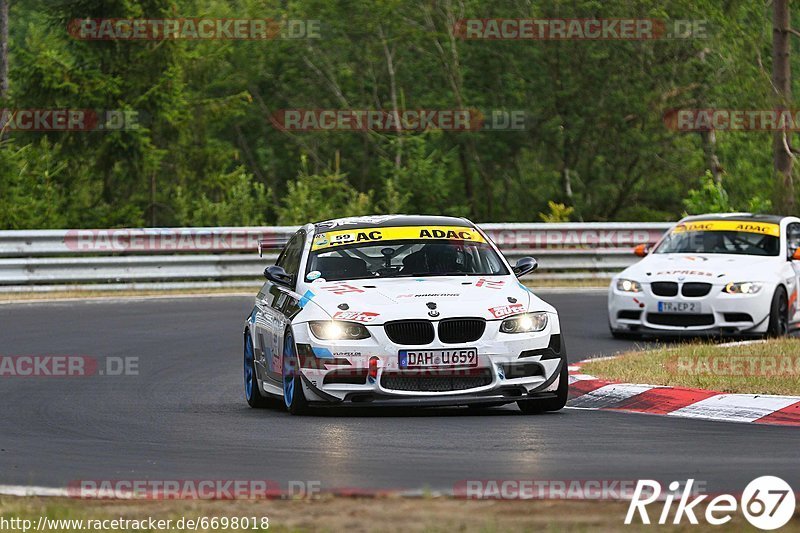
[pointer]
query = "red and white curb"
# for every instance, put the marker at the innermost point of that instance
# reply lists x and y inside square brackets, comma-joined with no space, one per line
[589,392]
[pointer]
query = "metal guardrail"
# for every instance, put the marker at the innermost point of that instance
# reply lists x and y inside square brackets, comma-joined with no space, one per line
[171,257]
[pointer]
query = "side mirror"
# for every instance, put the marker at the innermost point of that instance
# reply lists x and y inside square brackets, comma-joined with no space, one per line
[525,265]
[277,274]
[641,250]
[796,255]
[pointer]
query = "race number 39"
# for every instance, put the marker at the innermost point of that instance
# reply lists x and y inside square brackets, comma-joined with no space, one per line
[768,502]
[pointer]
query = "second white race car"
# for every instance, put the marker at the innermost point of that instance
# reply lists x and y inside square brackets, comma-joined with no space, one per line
[722,274]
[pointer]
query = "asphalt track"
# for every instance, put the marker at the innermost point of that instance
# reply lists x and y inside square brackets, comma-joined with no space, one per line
[183,416]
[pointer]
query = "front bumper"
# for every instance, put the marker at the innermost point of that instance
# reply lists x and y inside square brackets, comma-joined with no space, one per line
[510,367]
[498,396]
[714,313]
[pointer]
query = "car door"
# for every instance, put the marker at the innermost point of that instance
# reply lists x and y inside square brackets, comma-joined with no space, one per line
[271,302]
[792,244]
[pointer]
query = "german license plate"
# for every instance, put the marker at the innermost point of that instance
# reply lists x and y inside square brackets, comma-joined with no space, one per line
[438,358]
[678,307]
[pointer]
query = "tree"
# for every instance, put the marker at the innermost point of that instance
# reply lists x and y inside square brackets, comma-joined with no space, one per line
[3,49]
[782,83]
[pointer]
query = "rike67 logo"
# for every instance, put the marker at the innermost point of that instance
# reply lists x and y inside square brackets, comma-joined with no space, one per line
[767,503]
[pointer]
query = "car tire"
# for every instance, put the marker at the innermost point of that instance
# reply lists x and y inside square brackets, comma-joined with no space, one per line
[532,407]
[252,393]
[779,314]
[293,397]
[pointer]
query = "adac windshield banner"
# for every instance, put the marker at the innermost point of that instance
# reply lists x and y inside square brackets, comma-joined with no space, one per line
[763,228]
[400,233]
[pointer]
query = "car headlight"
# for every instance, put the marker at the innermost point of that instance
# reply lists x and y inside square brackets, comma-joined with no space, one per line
[330,330]
[526,323]
[628,285]
[742,287]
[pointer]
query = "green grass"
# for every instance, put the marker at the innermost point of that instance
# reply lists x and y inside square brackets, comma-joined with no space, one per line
[771,367]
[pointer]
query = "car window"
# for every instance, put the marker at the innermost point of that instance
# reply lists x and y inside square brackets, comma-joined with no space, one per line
[722,237]
[405,258]
[792,238]
[290,257]
[281,261]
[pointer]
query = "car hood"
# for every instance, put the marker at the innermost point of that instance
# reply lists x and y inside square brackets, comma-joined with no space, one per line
[712,268]
[376,301]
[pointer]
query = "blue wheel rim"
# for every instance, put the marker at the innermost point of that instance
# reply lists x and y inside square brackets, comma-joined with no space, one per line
[289,369]
[249,373]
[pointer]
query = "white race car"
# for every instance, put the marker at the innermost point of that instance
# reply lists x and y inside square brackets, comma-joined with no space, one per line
[723,274]
[401,310]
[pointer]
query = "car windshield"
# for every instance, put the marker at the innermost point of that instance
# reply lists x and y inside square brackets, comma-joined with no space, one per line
[717,238]
[404,258]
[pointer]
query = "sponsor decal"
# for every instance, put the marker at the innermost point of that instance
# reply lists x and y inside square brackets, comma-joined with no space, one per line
[356,316]
[483,282]
[320,352]
[432,295]
[762,228]
[347,354]
[344,237]
[342,288]
[506,310]
[684,273]
[305,298]
[314,274]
